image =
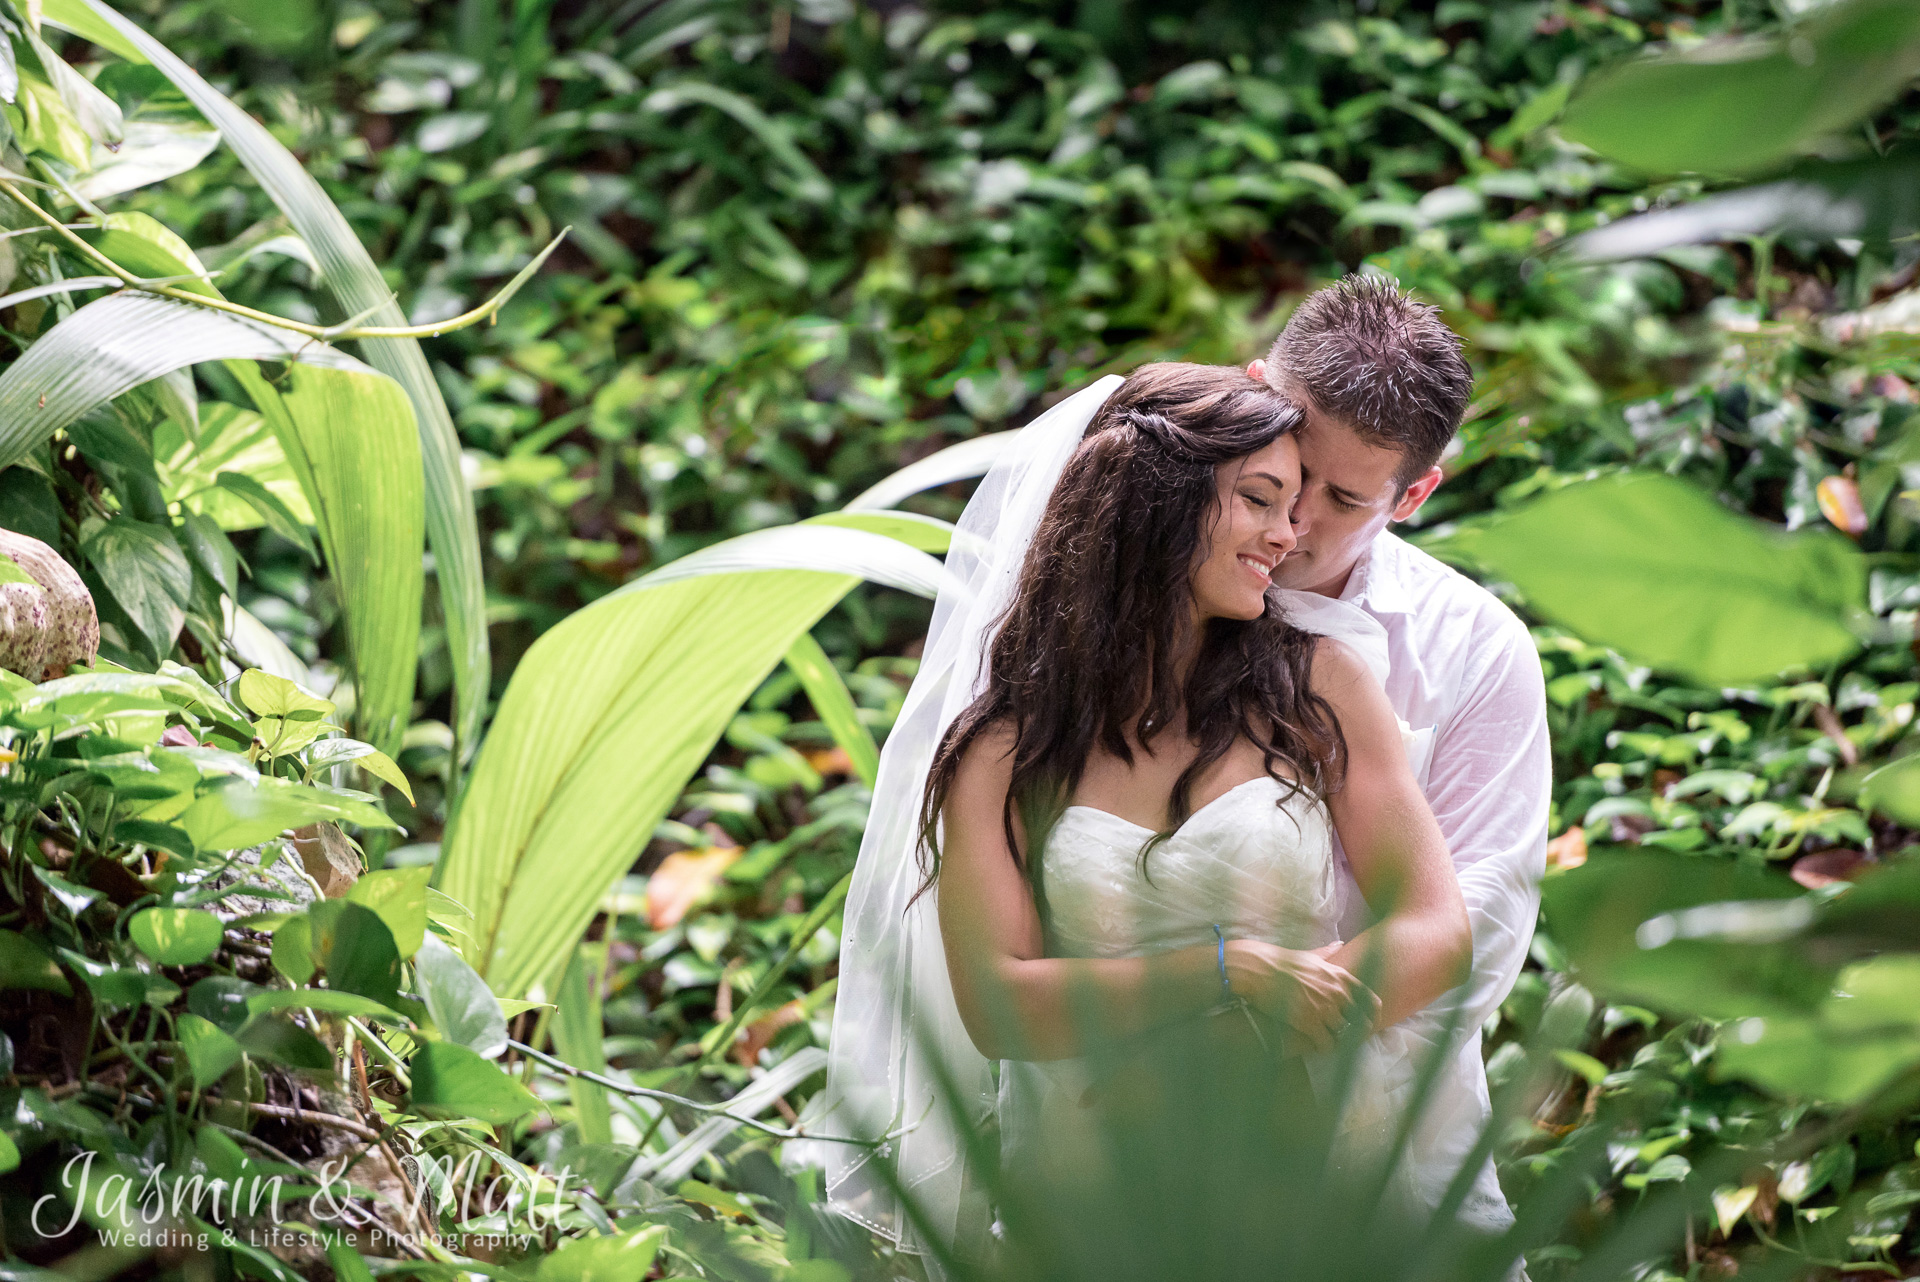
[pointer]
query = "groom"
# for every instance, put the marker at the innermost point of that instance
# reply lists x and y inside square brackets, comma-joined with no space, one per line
[1383,385]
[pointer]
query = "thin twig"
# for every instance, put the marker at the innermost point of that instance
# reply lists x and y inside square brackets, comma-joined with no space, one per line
[647,1092]
[808,926]
[280,1111]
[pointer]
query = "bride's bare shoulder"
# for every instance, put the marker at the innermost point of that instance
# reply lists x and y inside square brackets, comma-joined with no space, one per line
[985,766]
[1338,668]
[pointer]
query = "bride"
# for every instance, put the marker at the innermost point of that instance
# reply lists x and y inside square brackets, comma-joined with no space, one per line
[1109,801]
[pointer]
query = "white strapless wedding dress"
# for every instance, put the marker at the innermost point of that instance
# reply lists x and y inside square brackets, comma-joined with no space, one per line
[1260,868]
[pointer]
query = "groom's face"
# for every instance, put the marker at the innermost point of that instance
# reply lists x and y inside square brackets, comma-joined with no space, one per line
[1349,491]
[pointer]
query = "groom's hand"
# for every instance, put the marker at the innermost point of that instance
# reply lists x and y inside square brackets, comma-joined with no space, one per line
[1303,988]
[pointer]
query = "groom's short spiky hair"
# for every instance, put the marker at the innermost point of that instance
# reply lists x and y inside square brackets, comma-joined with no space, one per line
[1365,353]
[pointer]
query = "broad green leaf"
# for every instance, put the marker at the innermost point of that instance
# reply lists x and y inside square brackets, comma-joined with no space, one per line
[293,949]
[275,513]
[232,439]
[175,936]
[48,128]
[350,438]
[163,137]
[332,1000]
[192,690]
[147,247]
[462,1006]
[113,985]
[75,899]
[399,895]
[358,287]
[145,570]
[113,345]
[579,1037]
[272,1037]
[828,693]
[209,548]
[604,1257]
[338,752]
[1732,107]
[210,1049]
[222,1001]
[9,1153]
[347,433]
[290,718]
[1597,912]
[1860,1038]
[608,715]
[451,1081]
[347,1264]
[1652,567]
[266,695]
[236,813]
[356,949]
[1894,790]
[23,964]
[929,534]
[75,16]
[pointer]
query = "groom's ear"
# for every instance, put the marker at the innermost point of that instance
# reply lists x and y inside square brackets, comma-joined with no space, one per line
[1417,493]
[1257,370]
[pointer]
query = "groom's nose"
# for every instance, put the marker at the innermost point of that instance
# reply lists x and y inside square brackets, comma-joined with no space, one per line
[1297,516]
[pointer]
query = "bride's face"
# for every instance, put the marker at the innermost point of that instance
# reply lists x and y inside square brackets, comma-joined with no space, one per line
[1248,534]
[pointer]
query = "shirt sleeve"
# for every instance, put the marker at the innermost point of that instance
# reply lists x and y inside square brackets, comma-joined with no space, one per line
[1490,783]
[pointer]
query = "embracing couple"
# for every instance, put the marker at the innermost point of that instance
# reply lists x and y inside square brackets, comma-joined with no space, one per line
[1195,736]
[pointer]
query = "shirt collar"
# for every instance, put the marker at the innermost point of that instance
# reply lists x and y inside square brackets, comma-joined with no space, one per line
[1376,584]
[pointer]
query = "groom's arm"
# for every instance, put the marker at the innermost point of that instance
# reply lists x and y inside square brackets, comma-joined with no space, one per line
[1490,783]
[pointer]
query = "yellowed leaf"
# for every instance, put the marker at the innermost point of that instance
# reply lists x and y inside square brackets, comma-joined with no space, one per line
[683,881]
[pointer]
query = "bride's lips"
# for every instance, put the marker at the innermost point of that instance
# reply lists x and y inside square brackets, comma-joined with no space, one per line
[1264,571]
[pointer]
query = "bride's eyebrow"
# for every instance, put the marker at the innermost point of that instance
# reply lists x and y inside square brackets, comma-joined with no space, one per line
[1270,479]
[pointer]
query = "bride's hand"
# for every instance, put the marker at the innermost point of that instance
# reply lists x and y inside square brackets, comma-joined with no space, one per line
[1303,988]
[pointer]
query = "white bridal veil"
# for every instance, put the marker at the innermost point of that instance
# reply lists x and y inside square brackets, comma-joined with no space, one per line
[894,1012]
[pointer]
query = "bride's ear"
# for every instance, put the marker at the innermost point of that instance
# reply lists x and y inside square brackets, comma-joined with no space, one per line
[1257,370]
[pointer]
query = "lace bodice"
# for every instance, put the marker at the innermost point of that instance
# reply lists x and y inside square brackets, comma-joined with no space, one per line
[1254,860]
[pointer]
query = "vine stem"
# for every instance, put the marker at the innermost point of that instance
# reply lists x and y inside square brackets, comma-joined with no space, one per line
[647,1092]
[325,333]
[723,1037]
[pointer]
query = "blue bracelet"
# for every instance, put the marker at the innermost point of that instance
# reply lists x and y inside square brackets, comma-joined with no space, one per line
[1225,985]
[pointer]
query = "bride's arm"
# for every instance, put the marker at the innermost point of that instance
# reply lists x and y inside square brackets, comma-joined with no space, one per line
[1016,1002]
[1395,848]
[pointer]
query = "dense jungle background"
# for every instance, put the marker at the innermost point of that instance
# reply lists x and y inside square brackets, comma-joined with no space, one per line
[594,577]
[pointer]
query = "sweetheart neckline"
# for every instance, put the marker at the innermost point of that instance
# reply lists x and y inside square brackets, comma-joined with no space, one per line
[1190,818]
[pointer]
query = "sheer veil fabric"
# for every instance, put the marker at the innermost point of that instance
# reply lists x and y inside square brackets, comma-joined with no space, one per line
[895,1024]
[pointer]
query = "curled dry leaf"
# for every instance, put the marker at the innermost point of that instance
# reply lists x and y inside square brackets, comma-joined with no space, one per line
[69,628]
[1840,503]
[1568,850]
[683,880]
[1825,867]
[830,761]
[757,1036]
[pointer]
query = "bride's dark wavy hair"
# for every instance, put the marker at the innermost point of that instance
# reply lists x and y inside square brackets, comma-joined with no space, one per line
[1086,646]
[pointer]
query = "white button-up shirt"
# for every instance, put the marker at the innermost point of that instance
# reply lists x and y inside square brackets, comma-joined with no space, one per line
[1465,676]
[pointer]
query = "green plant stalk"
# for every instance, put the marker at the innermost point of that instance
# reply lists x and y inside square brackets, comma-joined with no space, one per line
[323,333]
[648,1092]
[394,1063]
[723,1037]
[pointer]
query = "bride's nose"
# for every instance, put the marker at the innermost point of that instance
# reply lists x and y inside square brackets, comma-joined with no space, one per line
[1283,537]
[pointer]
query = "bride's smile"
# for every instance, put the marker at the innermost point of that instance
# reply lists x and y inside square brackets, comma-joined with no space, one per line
[1250,534]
